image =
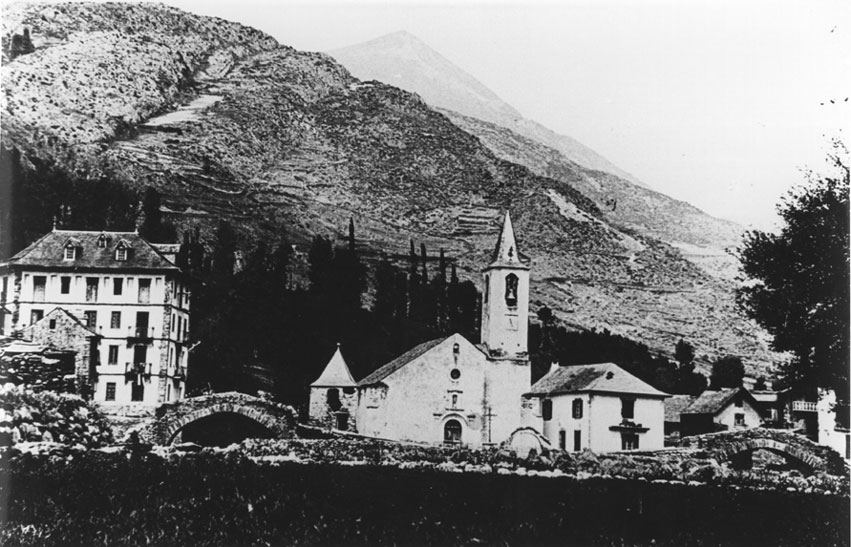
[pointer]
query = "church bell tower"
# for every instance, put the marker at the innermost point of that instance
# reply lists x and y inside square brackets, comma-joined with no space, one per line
[505,299]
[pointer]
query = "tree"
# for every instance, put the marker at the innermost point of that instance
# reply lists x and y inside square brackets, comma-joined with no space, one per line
[152,227]
[798,285]
[727,372]
[684,352]
[759,385]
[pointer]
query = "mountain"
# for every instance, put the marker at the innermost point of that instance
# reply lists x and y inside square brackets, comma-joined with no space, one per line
[403,60]
[228,124]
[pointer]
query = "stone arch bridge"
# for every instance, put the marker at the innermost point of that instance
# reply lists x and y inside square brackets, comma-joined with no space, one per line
[737,448]
[171,418]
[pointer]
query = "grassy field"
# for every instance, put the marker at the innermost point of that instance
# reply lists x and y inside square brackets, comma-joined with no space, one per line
[226,499]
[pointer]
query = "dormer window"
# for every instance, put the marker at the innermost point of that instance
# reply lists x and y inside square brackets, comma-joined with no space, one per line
[70,252]
[103,241]
[121,254]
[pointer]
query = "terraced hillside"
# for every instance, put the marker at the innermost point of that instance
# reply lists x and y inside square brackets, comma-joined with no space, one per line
[228,124]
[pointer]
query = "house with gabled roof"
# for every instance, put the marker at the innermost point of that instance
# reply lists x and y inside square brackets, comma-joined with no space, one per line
[724,409]
[451,390]
[599,406]
[118,286]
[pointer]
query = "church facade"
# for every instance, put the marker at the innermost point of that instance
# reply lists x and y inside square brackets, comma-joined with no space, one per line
[448,390]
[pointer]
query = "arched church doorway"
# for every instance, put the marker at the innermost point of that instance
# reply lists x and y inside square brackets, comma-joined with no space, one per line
[452,432]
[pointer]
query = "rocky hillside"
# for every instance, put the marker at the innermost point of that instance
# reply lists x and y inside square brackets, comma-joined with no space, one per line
[403,60]
[266,135]
[701,238]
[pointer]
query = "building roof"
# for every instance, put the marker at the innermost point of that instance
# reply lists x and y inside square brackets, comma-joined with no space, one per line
[713,401]
[48,252]
[768,396]
[59,310]
[336,373]
[599,377]
[399,362]
[506,253]
[676,405]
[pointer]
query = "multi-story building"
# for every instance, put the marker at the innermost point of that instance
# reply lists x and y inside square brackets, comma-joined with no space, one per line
[121,288]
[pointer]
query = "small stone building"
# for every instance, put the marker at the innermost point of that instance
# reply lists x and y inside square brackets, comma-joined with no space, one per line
[725,409]
[60,329]
[334,396]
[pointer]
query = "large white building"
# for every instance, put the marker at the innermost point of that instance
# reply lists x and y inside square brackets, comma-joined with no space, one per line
[122,289]
[451,390]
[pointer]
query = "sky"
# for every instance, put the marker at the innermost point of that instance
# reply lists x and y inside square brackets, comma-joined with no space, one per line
[719,103]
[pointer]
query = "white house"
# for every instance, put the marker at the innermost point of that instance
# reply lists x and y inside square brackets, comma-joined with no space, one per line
[451,390]
[122,289]
[830,432]
[601,407]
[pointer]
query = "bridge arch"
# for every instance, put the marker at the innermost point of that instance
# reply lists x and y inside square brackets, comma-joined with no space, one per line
[170,419]
[737,447]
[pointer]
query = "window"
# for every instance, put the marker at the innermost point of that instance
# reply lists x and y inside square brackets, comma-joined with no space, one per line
[577,409]
[121,254]
[511,290]
[452,432]
[577,440]
[110,391]
[52,324]
[91,289]
[627,408]
[103,241]
[91,318]
[137,392]
[562,439]
[454,400]
[140,354]
[333,398]
[36,315]
[547,409]
[487,286]
[70,253]
[115,320]
[740,419]
[65,284]
[454,373]
[144,291]
[342,419]
[117,285]
[39,282]
[629,441]
[113,355]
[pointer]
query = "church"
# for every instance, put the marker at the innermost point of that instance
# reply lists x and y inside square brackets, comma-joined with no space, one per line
[453,391]
[448,390]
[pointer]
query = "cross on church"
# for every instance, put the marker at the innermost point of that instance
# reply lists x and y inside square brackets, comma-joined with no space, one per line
[488,415]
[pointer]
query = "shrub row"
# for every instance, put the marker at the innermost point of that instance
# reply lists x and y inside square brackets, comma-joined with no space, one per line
[224,498]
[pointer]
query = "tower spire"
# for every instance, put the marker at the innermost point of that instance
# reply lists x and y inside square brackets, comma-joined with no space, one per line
[505,253]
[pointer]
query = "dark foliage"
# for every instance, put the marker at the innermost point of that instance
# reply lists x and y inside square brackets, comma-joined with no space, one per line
[205,499]
[727,372]
[550,343]
[800,289]
[152,226]
[34,195]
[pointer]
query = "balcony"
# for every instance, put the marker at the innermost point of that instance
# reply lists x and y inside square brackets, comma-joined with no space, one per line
[177,372]
[137,370]
[140,334]
[804,406]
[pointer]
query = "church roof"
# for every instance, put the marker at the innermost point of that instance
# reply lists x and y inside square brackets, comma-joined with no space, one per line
[336,373]
[399,362]
[47,251]
[506,252]
[599,377]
